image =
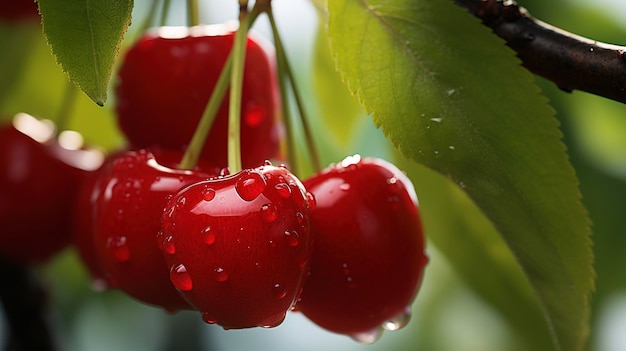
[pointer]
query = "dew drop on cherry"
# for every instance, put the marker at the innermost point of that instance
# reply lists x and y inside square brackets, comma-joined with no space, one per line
[118,248]
[208,236]
[254,115]
[283,190]
[221,275]
[208,194]
[269,213]
[168,245]
[208,318]
[368,337]
[311,199]
[250,186]
[279,291]
[180,278]
[292,238]
[299,217]
[399,321]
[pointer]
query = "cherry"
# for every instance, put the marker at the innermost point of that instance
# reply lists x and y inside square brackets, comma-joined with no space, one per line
[39,177]
[368,259]
[18,10]
[128,199]
[165,81]
[238,247]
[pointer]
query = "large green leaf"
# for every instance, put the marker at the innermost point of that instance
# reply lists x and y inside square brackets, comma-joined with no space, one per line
[85,36]
[451,96]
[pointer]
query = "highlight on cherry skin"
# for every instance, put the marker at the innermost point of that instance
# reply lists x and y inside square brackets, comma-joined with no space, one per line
[40,173]
[128,199]
[368,259]
[238,247]
[174,64]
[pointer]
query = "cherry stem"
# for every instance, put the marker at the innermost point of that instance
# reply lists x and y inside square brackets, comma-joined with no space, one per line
[194,149]
[165,12]
[236,87]
[65,110]
[192,153]
[284,66]
[192,13]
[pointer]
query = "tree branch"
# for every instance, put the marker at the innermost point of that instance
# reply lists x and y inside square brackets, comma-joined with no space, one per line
[570,61]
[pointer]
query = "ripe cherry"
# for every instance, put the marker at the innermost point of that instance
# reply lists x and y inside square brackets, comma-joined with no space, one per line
[167,77]
[18,10]
[129,198]
[368,259]
[238,247]
[39,178]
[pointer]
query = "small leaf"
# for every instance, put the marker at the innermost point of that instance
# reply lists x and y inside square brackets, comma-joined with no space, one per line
[85,36]
[451,96]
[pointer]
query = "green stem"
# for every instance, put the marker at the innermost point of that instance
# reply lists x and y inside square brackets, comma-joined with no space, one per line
[192,13]
[286,68]
[65,110]
[165,12]
[193,151]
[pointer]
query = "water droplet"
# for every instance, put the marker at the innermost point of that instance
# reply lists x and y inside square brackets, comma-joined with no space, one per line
[250,185]
[451,147]
[254,115]
[168,245]
[180,278]
[300,217]
[437,120]
[344,187]
[269,213]
[119,215]
[224,172]
[451,91]
[220,275]
[180,202]
[311,199]
[279,291]
[292,237]
[350,282]
[398,322]
[208,236]
[351,161]
[393,184]
[208,194]
[267,163]
[208,318]
[118,248]
[368,337]
[591,49]
[283,190]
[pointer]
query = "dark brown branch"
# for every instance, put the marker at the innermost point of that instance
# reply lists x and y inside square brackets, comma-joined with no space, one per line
[571,61]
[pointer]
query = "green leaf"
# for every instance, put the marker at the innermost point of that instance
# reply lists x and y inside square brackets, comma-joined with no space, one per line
[451,96]
[85,36]
[338,109]
[473,247]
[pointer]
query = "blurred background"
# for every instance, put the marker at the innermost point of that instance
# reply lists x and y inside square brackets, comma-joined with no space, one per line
[448,314]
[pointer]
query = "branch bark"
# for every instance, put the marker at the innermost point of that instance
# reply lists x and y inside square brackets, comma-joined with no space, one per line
[571,61]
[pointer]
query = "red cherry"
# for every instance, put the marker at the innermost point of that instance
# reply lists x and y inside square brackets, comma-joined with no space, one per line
[369,257]
[238,247]
[129,198]
[167,77]
[18,10]
[39,178]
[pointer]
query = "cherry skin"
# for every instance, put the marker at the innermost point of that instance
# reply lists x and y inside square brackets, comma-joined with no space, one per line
[129,198]
[238,247]
[18,10]
[368,259]
[165,82]
[39,177]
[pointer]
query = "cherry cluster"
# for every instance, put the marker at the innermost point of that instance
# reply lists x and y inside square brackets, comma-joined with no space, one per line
[344,247]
